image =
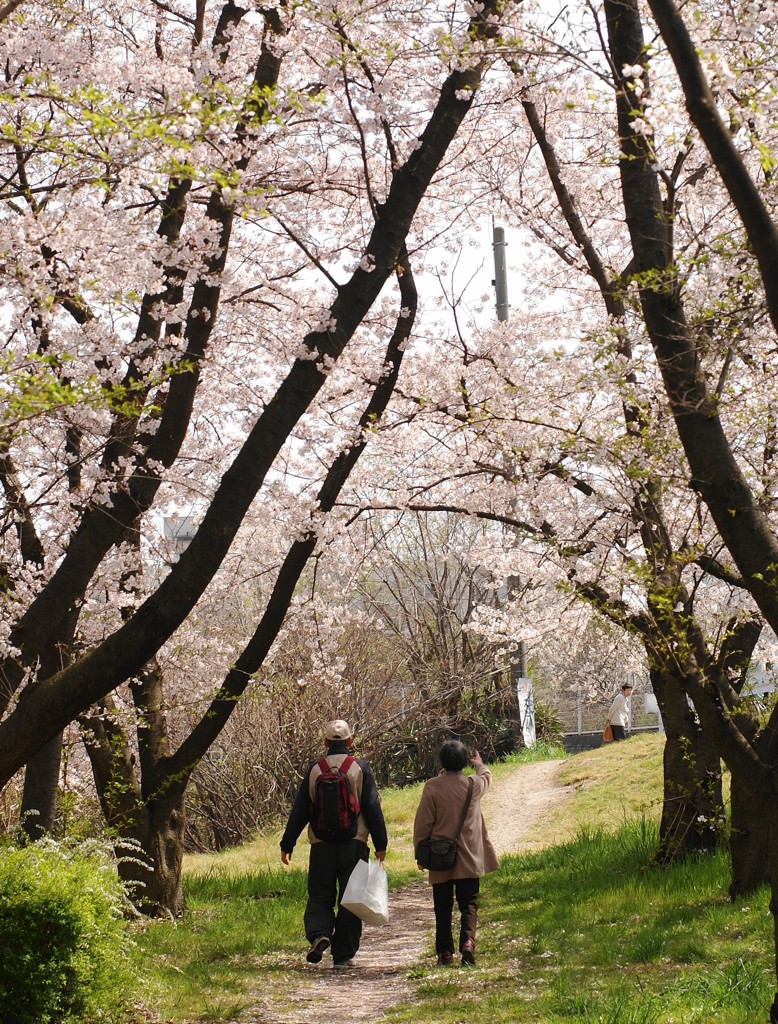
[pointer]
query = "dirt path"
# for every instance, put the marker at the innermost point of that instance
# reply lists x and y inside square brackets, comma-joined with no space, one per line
[319,995]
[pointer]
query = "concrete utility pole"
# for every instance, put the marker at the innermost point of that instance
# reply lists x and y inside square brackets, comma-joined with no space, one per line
[500,281]
[521,685]
[521,651]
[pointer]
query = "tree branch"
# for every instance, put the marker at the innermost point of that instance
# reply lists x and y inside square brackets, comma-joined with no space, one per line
[44,709]
[701,104]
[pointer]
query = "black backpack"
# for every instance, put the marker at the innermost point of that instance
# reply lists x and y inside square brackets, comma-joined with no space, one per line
[334,808]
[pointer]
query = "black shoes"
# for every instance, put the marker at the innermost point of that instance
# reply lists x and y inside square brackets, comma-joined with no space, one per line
[446,959]
[317,950]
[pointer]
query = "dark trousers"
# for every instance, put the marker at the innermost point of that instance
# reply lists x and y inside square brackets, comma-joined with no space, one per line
[619,732]
[329,869]
[443,900]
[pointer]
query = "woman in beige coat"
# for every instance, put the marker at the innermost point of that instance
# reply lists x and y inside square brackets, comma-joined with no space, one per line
[439,813]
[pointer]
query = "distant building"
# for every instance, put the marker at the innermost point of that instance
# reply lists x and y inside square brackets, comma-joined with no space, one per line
[179,530]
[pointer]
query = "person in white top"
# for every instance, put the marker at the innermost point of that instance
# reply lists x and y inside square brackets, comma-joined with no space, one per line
[618,716]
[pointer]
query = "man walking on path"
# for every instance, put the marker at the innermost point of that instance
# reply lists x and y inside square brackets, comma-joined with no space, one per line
[338,801]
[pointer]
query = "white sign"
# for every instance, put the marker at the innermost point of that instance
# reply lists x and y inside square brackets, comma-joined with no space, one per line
[526,710]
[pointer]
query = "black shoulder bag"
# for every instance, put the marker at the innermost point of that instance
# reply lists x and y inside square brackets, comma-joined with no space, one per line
[438,853]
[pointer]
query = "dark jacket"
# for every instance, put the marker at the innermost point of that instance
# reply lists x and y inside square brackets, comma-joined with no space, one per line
[362,781]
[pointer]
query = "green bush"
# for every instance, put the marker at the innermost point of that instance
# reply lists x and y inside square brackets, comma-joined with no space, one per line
[548,724]
[63,941]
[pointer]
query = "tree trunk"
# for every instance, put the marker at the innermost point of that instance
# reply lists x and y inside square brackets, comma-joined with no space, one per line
[692,808]
[40,797]
[151,855]
[749,841]
[149,820]
[749,831]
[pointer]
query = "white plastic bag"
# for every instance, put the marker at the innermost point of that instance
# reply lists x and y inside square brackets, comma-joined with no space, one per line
[367,893]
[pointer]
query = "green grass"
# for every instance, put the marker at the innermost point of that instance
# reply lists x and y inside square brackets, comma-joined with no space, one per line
[613,785]
[205,966]
[590,932]
[581,931]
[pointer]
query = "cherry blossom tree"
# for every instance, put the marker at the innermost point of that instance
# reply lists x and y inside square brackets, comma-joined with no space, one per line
[720,476]
[700,306]
[203,205]
[723,325]
[641,514]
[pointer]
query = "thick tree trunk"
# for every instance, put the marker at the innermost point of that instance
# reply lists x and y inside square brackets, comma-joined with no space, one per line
[150,825]
[40,797]
[692,808]
[749,841]
[150,855]
[749,828]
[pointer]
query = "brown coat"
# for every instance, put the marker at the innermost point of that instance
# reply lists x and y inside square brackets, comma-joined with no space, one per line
[439,811]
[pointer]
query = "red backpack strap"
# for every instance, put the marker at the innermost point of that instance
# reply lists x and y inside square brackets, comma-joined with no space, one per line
[347,764]
[324,765]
